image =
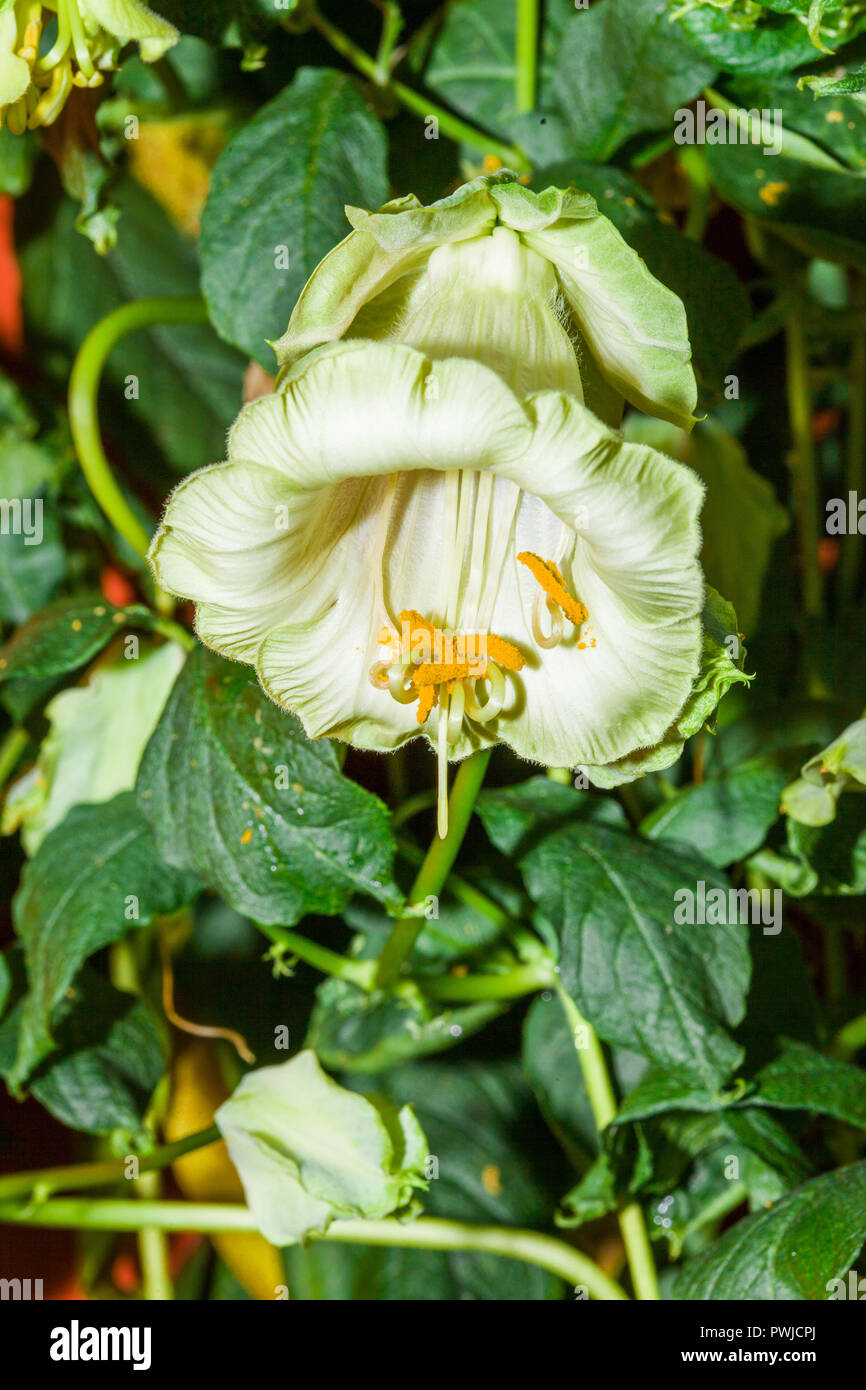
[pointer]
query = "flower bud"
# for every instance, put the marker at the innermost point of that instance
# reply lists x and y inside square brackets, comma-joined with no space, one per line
[309,1152]
[839,767]
[539,286]
[34,83]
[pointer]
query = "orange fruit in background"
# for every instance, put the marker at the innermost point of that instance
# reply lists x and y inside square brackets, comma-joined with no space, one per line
[198,1088]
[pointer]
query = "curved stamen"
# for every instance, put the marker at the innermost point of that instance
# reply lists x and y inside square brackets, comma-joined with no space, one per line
[402,692]
[79,41]
[64,36]
[482,714]
[554,637]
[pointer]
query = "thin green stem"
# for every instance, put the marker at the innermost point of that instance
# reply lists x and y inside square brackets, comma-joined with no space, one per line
[436,866]
[802,463]
[507,984]
[856,446]
[412,806]
[166,627]
[360,972]
[43,1181]
[427,1233]
[12,751]
[526,56]
[850,1039]
[695,169]
[720,1206]
[83,395]
[392,23]
[599,1090]
[153,1252]
[416,102]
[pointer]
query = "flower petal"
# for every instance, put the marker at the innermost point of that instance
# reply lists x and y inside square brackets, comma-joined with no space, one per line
[635,327]
[384,246]
[14,72]
[128,20]
[426,505]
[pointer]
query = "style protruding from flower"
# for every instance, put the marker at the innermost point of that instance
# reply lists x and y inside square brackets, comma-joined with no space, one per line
[42,60]
[309,1152]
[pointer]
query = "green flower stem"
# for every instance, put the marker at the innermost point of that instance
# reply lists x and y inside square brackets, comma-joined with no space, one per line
[83,393]
[603,1103]
[856,445]
[11,752]
[415,102]
[41,1182]
[462,890]
[427,1233]
[526,56]
[802,463]
[508,984]
[360,972]
[437,865]
[528,946]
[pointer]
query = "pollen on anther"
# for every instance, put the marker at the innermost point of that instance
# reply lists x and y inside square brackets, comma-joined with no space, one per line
[554,585]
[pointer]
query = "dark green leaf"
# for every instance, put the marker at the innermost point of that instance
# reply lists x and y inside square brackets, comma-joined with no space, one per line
[515,816]
[277,195]
[623,68]
[111,1064]
[822,211]
[808,1238]
[109,1056]
[851,83]
[660,1091]
[803,1079]
[726,817]
[775,45]
[58,641]
[661,989]
[236,793]
[839,126]
[353,1030]
[94,878]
